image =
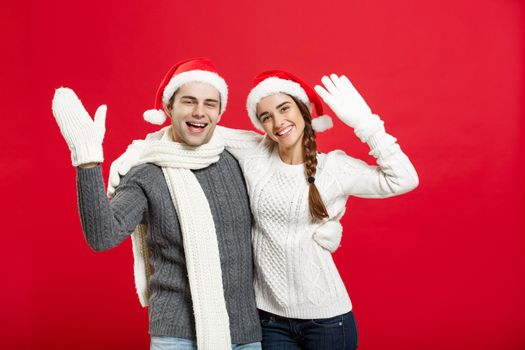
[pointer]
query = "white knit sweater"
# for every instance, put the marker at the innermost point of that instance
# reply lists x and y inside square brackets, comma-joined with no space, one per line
[295,277]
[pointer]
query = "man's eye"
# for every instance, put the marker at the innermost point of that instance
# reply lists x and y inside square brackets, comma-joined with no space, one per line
[211,105]
[187,102]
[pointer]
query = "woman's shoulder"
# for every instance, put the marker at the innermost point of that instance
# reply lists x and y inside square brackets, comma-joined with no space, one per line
[331,157]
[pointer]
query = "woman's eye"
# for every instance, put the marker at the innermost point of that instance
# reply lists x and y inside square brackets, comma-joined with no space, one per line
[285,108]
[265,118]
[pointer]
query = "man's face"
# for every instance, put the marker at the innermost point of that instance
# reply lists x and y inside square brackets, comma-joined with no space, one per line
[195,113]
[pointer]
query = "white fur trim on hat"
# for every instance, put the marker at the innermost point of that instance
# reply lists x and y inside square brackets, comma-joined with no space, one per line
[322,123]
[201,76]
[269,87]
[154,116]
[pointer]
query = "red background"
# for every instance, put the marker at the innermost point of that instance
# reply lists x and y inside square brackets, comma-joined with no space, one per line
[442,267]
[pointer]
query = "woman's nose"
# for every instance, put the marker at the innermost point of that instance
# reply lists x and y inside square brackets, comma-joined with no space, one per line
[278,120]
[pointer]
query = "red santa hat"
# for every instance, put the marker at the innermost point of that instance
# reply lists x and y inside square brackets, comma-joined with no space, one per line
[200,70]
[274,81]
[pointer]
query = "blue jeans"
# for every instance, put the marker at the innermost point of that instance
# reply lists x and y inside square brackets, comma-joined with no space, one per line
[334,333]
[173,343]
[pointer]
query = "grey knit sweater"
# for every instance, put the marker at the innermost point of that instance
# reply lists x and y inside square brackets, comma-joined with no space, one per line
[143,196]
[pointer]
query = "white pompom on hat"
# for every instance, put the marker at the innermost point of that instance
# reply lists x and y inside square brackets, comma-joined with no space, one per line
[278,81]
[200,70]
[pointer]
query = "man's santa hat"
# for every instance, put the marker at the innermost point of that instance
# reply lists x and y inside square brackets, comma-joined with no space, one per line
[278,81]
[201,70]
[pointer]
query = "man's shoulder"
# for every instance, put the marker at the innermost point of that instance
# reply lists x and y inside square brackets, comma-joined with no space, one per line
[229,160]
[144,172]
[227,156]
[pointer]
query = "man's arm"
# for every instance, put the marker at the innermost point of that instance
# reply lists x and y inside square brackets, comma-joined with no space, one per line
[107,223]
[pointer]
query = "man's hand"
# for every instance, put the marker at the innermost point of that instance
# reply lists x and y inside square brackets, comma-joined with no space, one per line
[88,165]
[83,135]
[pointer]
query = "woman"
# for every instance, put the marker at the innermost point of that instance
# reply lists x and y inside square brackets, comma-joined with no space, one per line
[293,190]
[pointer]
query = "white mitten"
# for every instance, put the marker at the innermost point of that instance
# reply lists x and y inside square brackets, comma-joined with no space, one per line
[342,97]
[122,164]
[328,235]
[128,160]
[83,135]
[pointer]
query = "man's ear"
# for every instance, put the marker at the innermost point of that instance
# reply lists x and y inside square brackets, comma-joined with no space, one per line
[219,119]
[167,111]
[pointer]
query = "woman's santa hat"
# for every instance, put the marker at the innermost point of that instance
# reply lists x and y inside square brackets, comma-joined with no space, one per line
[201,70]
[278,81]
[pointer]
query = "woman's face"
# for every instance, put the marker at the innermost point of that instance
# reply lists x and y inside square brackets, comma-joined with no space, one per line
[281,120]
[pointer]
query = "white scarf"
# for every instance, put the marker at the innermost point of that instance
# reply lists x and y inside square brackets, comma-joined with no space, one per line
[198,231]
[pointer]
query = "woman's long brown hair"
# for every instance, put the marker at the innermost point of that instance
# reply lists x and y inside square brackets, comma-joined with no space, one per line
[315,202]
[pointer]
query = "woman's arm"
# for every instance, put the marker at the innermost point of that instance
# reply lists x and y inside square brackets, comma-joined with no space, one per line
[394,173]
[240,143]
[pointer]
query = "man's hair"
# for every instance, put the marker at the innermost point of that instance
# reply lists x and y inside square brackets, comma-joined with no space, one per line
[172,100]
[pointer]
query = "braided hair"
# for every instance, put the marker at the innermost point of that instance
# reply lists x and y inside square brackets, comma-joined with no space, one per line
[315,202]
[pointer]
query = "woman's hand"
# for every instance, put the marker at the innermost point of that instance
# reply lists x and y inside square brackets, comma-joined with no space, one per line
[83,135]
[328,235]
[341,96]
[123,164]
[129,159]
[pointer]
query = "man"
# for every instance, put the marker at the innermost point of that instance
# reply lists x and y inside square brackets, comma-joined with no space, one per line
[191,195]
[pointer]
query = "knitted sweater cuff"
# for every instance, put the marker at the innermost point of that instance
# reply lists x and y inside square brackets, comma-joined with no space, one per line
[86,153]
[368,127]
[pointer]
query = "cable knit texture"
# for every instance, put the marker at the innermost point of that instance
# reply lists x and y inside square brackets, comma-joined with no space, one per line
[295,276]
[143,196]
[329,235]
[198,232]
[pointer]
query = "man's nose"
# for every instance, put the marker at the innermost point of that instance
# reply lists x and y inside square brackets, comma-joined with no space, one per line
[198,110]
